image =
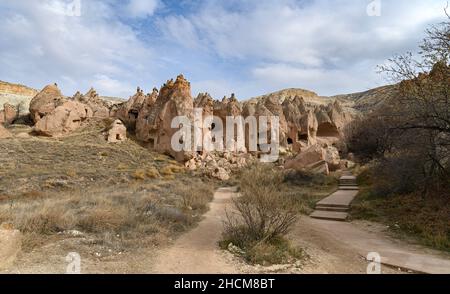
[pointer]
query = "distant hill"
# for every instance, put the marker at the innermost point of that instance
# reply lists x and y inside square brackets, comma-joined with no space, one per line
[362,102]
[16,95]
[369,100]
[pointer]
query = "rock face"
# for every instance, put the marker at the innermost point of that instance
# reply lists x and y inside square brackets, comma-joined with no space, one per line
[100,108]
[45,102]
[154,127]
[15,89]
[64,119]
[4,133]
[9,114]
[10,246]
[129,111]
[117,132]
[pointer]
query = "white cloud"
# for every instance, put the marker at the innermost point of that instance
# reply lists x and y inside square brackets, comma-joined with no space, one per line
[142,8]
[40,46]
[326,40]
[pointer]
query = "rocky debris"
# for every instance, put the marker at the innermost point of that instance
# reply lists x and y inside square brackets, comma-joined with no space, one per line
[221,174]
[316,159]
[10,245]
[45,102]
[9,114]
[117,132]
[64,119]
[219,165]
[4,133]
[154,128]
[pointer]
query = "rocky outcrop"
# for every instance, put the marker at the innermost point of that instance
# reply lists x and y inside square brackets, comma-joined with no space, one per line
[316,159]
[154,128]
[100,108]
[64,119]
[117,132]
[4,133]
[9,114]
[15,89]
[10,245]
[129,111]
[45,102]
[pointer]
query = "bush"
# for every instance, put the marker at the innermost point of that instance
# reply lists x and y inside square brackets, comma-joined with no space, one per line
[263,214]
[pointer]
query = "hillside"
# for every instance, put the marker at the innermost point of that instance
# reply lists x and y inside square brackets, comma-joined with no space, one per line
[369,100]
[16,94]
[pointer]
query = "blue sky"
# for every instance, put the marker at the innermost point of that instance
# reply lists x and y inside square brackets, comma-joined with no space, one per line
[248,47]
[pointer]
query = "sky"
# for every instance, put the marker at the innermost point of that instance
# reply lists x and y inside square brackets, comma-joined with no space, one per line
[247,47]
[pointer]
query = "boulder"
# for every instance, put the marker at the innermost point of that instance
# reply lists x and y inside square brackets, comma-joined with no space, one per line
[307,157]
[10,246]
[221,174]
[45,102]
[9,114]
[64,119]
[320,167]
[117,132]
[332,157]
[4,133]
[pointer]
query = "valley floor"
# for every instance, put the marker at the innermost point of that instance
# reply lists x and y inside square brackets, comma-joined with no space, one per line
[333,247]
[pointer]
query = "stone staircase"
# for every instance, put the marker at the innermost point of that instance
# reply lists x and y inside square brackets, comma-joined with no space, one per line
[335,207]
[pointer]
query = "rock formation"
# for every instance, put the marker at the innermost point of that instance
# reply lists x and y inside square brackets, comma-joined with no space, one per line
[154,128]
[4,133]
[45,102]
[129,111]
[65,118]
[117,132]
[10,245]
[9,114]
[100,108]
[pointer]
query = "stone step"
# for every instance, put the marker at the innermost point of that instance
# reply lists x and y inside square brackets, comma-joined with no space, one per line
[351,188]
[347,183]
[330,215]
[335,205]
[332,208]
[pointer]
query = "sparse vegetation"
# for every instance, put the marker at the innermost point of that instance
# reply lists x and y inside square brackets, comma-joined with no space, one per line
[410,215]
[112,193]
[407,182]
[265,213]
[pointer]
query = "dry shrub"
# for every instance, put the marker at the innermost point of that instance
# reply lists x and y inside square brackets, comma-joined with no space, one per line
[196,199]
[171,169]
[152,173]
[139,174]
[101,219]
[263,214]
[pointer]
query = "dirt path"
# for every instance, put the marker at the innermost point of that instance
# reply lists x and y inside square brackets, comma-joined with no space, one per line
[360,238]
[197,252]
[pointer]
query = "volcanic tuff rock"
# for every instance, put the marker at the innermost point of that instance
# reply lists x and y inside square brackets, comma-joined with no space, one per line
[100,108]
[174,99]
[65,118]
[117,132]
[4,133]
[9,114]
[45,102]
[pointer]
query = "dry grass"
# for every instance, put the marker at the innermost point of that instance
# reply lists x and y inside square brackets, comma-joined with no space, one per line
[425,219]
[114,194]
